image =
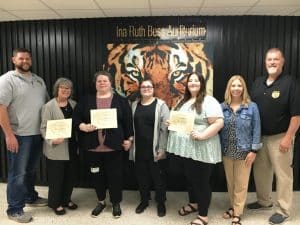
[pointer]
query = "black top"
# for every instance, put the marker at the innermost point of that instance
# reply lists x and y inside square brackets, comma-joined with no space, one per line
[115,136]
[277,103]
[68,112]
[144,118]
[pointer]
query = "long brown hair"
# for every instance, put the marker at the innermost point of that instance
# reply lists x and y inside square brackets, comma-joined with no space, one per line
[200,95]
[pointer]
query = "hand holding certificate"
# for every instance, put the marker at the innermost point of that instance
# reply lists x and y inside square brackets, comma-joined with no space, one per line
[182,122]
[104,118]
[59,129]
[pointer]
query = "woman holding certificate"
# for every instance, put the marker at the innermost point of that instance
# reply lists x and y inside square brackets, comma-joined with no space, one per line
[150,142]
[59,150]
[240,140]
[196,151]
[104,122]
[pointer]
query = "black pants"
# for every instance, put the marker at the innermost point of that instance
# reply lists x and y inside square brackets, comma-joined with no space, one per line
[61,176]
[106,173]
[145,170]
[197,176]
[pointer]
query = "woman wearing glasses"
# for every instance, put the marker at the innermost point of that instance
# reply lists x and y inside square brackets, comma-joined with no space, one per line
[149,145]
[61,153]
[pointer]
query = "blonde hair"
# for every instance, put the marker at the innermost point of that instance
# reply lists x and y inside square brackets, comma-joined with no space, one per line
[245,95]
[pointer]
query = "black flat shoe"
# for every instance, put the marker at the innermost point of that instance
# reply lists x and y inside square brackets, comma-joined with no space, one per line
[71,205]
[59,212]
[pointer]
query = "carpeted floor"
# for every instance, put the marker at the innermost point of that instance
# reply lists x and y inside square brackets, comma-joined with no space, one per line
[86,199]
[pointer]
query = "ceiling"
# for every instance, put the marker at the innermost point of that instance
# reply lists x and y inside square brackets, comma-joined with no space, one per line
[12,10]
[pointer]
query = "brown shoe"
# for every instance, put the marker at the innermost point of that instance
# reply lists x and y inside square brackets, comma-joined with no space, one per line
[187,209]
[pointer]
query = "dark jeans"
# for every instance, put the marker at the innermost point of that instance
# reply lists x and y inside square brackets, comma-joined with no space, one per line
[106,173]
[61,182]
[197,176]
[145,171]
[22,173]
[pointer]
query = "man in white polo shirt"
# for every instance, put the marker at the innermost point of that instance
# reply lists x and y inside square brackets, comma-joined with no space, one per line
[21,98]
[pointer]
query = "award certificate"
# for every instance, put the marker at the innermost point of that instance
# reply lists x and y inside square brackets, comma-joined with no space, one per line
[104,118]
[59,129]
[182,122]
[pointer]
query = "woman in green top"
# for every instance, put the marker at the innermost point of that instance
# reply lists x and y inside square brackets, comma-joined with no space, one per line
[197,152]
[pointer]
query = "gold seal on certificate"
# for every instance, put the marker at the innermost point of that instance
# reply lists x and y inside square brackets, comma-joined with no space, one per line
[182,122]
[104,118]
[59,129]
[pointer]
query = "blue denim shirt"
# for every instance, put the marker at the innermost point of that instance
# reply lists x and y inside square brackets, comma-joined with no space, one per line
[248,131]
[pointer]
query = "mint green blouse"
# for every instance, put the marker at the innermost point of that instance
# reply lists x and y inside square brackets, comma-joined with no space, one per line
[209,150]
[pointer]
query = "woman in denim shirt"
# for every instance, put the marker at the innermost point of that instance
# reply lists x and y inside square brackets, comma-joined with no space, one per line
[240,139]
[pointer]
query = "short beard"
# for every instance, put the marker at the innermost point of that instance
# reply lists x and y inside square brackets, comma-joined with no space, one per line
[20,68]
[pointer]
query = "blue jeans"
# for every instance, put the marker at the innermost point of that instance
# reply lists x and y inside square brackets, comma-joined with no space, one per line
[22,172]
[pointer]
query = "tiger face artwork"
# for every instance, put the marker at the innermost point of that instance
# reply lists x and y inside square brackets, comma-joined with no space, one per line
[166,64]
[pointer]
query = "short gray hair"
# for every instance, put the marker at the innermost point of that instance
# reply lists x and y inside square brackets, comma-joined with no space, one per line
[62,81]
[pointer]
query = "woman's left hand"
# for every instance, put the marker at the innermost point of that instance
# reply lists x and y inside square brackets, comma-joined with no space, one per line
[196,135]
[57,141]
[126,145]
[250,158]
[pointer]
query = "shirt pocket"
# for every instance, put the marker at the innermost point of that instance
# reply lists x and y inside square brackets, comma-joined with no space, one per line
[246,116]
[245,122]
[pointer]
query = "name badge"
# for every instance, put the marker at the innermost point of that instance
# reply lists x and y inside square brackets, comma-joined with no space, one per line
[275,94]
[95,169]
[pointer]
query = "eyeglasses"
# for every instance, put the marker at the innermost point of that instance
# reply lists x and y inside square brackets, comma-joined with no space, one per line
[146,87]
[64,87]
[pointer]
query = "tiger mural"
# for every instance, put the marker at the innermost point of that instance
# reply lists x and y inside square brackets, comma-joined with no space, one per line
[166,64]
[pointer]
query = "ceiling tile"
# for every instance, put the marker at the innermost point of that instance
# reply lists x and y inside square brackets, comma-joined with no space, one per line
[125,4]
[126,12]
[175,12]
[36,14]
[295,13]
[37,9]
[5,16]
[175,4]
[278,2]
[229,3]
[271,10]
[223,11]
[80,13]
[71,4]
[22,5]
